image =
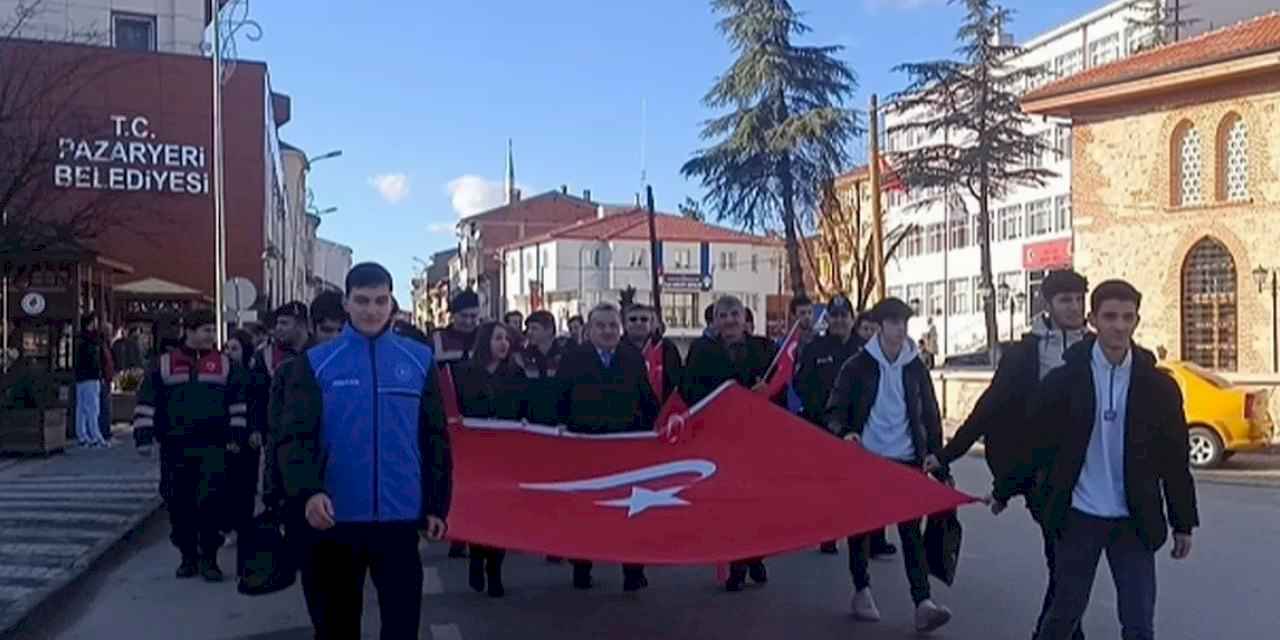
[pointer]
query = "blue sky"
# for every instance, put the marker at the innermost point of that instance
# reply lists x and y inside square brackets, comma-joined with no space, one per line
[422,95]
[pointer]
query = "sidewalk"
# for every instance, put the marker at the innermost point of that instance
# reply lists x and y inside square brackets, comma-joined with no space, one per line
[60,515]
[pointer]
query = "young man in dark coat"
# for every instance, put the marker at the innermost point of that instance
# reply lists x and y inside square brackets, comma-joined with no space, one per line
[88,375]
[455,342]
[605,389]
[290,337]
[193,402]
[1111,454]
[540,359]
[641,331]
[1000,417]
[729,353]
[365,450]
[884,399]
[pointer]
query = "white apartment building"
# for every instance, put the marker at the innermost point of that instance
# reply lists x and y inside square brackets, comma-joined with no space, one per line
[571,269]
[331,262]
[169,26]
[939,265]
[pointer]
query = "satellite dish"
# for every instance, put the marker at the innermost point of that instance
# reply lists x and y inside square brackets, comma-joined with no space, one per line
[238,294]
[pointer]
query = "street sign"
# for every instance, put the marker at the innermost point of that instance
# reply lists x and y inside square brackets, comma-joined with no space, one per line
[686,281]
[239,294]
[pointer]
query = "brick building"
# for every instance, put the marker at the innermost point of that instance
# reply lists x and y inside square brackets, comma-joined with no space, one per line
[1175,186]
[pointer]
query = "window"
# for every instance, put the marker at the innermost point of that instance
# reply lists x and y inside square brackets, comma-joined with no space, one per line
[728,261]
[684,259]
[637,258]
[1035,156]
[935,238]
[1062,213]
[960,296]
[1068,63]
[937,298]
[914,293]
[679,310]
[546,258]
[1209,306]
[1062,142]
[1009,222]
[134,32]
[915,241]
[1187,184]
[1233,159]
[1105,49]
[959,231]
[977,294]
[755,263]
[513,264]
[595,258]
[1138,38]
[1040,217]
[1014,281]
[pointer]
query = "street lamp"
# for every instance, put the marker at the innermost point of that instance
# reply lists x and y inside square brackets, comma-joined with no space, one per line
[1260,278]
[336,153]
[1014,302]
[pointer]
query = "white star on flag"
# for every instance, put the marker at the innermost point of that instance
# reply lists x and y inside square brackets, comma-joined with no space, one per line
[642,499]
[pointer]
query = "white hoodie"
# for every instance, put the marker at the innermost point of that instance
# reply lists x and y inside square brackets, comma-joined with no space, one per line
[1054,342]
[888,430]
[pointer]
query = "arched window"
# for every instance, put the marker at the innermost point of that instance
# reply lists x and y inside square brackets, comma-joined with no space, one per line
[1209,306]
[1188,186]
[1233,159]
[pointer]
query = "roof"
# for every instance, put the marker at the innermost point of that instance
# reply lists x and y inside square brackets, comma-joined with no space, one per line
[634,225]
[1251,37]
[859,172]
[156,286]
[531,207]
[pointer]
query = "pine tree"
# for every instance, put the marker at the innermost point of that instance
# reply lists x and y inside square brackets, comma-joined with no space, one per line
[786,130]
[1166,20]
[970,112]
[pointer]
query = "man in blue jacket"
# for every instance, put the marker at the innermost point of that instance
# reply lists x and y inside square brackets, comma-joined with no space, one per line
[365,455]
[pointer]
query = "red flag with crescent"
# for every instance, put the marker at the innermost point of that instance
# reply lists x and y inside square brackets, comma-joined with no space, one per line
[784,364]
[653,362]
[743,478]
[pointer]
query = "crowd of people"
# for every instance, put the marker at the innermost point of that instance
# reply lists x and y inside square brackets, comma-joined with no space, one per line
[346,404]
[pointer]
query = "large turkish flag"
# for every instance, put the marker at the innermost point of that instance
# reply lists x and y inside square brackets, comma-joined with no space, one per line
[745,479]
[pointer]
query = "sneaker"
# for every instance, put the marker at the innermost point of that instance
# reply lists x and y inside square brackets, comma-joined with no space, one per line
[737,578]
[634,581]
[930,616]
[475,577]
[209,570]
[582,578]
[829,548]
[886,550]
[758,573]
[864,606]
[188,568]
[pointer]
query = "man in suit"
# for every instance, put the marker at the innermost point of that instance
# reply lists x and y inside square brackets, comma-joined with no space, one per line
[1110,455]
[605,389]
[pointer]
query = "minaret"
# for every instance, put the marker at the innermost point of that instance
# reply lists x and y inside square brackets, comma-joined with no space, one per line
[511,175]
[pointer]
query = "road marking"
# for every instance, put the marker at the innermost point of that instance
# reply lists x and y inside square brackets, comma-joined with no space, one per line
[44,516]
[38,573]
[90,507]
[432,585]
[62,550]
[35,495]
[445,632]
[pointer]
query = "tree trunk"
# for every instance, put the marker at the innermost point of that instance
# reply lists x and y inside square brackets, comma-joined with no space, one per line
[989,300]
[795,270]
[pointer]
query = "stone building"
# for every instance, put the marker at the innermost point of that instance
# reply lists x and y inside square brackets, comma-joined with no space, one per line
[1175,187]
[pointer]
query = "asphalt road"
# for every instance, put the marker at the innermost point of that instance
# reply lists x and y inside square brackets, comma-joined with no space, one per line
[1227,589]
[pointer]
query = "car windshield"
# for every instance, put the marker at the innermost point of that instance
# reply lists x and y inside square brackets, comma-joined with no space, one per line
[1208,376]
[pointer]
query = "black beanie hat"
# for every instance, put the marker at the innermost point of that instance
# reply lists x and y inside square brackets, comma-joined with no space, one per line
[1063,281]
[463,301]
[293,309]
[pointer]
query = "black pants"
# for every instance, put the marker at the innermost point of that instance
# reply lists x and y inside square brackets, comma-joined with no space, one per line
[104,411]
[1050,560]
[242,490]
[913,557]
[341,558]
[191,482]
[1077,550]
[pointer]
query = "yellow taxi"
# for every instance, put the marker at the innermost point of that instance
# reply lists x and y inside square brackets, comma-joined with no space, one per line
[1223,419]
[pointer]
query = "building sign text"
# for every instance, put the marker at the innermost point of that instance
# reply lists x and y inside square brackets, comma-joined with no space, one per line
[131,160]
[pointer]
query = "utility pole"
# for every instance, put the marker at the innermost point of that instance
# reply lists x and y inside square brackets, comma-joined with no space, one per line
[877,230]
[219,213]
[653,253]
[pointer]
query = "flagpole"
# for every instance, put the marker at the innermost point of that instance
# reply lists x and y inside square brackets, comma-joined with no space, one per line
[877,231]
[795,326]
[219,213]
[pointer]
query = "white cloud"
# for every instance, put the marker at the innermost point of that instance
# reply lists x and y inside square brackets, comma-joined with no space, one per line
[874,5]
[471,194]
[394,187]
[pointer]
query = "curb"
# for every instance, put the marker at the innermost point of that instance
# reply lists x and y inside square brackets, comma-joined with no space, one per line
[12,622]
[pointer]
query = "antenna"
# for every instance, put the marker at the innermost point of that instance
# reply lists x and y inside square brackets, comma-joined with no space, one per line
[644,139]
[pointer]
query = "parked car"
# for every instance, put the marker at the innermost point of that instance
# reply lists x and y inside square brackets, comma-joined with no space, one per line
[1223,418]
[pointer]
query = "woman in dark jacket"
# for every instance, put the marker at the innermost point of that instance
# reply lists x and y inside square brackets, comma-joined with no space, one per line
[490,385]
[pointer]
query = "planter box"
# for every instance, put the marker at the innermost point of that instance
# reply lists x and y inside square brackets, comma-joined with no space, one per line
[27,431]
[122,406]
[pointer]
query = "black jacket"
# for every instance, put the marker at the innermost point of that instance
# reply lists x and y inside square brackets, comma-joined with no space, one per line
[855,393]
[594,399]
[542,386]
[1156,465]
[815,376]
[1000,417]
[710,364]
[672,365]
[481,394]
[194,399]
[88,364]
[450,345]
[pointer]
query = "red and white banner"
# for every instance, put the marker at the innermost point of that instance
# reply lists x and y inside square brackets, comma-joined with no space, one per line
[449,397]
[744,479]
